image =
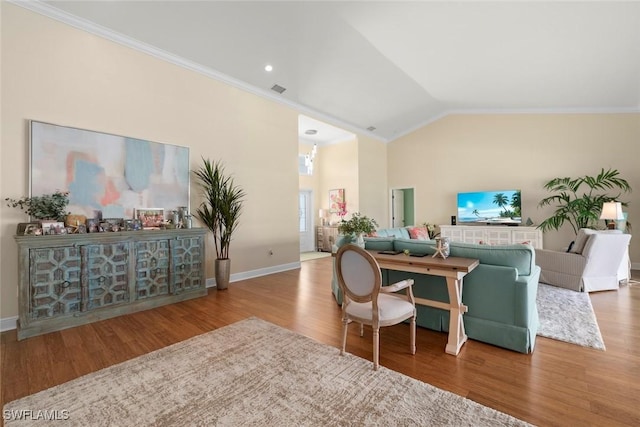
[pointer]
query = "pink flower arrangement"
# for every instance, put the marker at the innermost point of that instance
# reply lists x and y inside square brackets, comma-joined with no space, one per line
[342,209]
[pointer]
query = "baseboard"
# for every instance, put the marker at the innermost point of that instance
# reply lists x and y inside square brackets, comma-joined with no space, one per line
[635,265]
[211,282]
[9,323]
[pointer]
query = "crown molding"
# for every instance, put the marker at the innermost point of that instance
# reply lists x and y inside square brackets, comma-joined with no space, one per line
[82,24]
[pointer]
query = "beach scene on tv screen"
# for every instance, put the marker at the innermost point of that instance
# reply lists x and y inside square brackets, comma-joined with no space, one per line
[487,207]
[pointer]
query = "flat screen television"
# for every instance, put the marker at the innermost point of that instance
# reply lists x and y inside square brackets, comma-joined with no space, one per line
[490,207]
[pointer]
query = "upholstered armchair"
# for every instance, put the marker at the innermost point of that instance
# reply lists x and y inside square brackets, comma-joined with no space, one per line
[597,261]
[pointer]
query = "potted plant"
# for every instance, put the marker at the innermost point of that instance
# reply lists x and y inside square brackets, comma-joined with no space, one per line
[219,212]
[48,206]
[357,227]
[581,209]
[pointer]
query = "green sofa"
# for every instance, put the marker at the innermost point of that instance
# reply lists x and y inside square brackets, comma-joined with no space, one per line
[500,292]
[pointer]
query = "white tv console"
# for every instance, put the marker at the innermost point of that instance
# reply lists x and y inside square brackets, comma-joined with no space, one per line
[492,234]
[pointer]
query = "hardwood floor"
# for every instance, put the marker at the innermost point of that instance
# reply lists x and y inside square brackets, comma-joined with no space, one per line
[558,385]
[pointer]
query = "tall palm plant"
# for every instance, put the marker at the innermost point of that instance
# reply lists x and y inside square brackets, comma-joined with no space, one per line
[581,210]
[222,204]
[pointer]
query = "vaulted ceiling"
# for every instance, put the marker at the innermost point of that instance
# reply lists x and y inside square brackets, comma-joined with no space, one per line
[393,66]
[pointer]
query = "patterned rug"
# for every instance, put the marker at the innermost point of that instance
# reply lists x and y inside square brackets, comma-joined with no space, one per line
[253,373]
[566,315]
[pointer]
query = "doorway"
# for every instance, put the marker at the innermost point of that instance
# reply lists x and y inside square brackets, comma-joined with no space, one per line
[305,221]
[402,207]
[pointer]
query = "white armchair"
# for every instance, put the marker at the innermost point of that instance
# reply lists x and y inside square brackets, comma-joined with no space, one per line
[597,261]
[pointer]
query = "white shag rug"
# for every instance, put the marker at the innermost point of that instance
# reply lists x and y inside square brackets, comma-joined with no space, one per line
[253,373]
[566,315]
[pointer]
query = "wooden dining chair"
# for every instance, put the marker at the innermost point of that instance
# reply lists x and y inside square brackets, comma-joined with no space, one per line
[367,302]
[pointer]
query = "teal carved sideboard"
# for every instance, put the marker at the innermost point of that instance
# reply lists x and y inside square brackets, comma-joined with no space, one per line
[71,280]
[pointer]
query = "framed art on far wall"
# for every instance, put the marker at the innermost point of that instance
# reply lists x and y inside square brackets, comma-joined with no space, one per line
[336,200]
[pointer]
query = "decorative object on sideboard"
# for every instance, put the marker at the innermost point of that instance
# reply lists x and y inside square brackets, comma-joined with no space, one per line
[50,228]
[581,209]
[219,212]
[47,206]
[151,218]
[611,213]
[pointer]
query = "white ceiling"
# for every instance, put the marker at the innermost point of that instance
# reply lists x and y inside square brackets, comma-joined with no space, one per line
[392,65]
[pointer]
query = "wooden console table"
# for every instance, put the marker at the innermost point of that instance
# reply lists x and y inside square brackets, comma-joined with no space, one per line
[453,269]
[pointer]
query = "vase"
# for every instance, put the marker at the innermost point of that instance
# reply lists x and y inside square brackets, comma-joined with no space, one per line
[223,270]
[360,240]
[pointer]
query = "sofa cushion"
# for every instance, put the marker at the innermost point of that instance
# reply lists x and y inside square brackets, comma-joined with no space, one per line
[400,232]
[379,243]
[414,246]
[581,240]
[418,233]
[521,257]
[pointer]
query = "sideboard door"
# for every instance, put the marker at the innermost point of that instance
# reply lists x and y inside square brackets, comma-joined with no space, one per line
[152,268]
[105,275]
[54,275]
[187,264]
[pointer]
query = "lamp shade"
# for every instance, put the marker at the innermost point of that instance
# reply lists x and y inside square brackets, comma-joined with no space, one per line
[612,210]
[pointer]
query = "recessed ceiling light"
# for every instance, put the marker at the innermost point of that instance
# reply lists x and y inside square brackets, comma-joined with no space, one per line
[371,128]
[268,67]
[311,132]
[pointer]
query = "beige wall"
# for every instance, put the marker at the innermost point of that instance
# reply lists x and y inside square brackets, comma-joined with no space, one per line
[360,167]
[338,168]
[372,177]
[520,151]
[54,73]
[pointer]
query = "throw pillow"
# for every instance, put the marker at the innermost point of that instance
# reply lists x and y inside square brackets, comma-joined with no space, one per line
[419,233]
[581,240]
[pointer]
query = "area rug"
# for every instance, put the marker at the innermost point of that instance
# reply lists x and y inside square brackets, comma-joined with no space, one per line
[566,315]
[254,373]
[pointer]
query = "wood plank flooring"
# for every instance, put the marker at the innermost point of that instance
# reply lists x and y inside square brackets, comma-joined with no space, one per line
[558,385]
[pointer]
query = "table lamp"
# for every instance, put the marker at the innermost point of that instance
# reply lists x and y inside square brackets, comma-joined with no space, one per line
[611,212]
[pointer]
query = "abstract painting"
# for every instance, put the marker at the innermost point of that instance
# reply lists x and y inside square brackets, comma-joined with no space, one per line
[107,173]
